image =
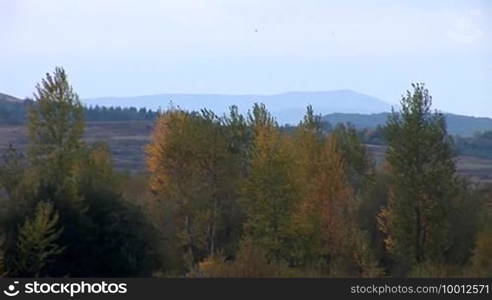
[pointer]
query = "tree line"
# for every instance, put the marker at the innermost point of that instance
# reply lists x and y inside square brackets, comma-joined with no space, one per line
[478,145]
[16,113]
[240,196]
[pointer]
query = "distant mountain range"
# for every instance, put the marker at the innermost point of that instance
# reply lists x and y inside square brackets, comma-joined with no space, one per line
[288,108]
[341,106]
[7,98]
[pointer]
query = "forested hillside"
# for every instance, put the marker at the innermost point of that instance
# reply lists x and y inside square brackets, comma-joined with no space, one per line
[14,111]
[239,196]
[288,107]
[464,126]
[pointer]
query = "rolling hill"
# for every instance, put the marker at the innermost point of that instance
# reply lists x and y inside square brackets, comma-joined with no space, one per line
[457,124]
[340,106]
[288,107]
[9,99]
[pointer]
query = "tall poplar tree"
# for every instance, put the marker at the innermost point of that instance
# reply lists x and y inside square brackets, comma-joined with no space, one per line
[327,234]
[269,191]
[55,128]
[420,156]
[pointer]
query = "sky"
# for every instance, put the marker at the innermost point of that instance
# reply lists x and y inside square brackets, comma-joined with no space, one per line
[130,48]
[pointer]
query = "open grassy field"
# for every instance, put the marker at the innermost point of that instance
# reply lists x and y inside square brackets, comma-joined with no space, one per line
[475,168]
[127,141]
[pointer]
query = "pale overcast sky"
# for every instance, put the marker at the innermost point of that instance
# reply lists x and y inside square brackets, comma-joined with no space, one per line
[379,47]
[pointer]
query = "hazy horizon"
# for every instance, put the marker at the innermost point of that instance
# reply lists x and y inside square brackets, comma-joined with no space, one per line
[129,48]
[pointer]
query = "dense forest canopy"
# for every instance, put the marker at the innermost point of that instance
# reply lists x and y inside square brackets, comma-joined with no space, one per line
[240,196]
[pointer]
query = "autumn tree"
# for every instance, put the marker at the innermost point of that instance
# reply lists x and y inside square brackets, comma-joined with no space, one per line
[328,236]
[420,156]
[189,160]
[307,143]
[269,191]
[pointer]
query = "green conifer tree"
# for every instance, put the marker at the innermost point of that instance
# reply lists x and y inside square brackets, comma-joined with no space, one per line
[37,245]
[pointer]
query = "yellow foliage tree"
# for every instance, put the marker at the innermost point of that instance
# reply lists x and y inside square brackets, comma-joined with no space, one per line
[269,191]
[189,161]
[325,215]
